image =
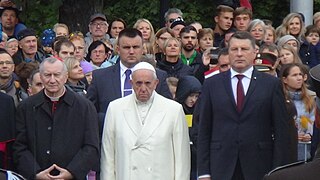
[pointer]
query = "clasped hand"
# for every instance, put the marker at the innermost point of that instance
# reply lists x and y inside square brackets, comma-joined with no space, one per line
[45,174]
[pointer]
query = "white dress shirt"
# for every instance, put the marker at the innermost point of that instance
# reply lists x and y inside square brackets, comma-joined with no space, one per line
[245,81]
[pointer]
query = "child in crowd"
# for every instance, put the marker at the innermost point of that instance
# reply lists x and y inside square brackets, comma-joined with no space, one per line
[188,91]
[12,46]
[310,49]
[47,39]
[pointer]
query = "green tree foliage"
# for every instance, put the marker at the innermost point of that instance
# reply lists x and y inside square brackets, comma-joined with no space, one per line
[272,10]
[42,14]
[39,14]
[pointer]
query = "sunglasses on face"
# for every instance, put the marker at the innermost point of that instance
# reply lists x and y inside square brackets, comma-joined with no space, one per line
[172,20]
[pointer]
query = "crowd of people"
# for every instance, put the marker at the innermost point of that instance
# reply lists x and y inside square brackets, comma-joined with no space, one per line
[181,102]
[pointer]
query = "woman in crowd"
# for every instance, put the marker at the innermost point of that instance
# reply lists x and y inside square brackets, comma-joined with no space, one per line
[295,89]
[172,63]
[289,40]
[146,28]
[12,46]
[188,91]
[161,36]
[77,40]
[288,55]
[97,53]
[115,27]
[75,75]
[270,36]
[61,29]
[293,25]
[257,29]
[205,39]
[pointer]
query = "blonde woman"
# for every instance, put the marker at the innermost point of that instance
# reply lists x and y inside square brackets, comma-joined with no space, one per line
[161,36]
[75,74]
[293,25]
[172,63]
[146,28]
[270,36]
[289,55]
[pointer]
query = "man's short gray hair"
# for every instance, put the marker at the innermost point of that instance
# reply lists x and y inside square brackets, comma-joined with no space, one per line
[52,60]
[171,11]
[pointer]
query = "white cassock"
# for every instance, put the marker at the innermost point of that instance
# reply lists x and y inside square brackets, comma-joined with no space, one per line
[157,150]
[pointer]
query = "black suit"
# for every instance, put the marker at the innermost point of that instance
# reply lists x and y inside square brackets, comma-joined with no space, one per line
[106,87]
[7,128]
[227,137]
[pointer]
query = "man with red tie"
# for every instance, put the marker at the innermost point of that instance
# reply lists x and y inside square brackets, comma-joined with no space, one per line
[243,131]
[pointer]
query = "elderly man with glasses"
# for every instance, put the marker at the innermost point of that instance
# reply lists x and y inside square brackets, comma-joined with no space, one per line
[98,28]
[171,15]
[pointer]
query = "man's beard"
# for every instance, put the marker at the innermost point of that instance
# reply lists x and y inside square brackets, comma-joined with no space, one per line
[6,28]
[188,48]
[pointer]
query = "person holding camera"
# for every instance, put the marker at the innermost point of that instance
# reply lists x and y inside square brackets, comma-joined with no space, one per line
[217,59]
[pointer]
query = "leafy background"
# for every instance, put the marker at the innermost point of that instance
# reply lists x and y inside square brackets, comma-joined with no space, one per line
[42,14]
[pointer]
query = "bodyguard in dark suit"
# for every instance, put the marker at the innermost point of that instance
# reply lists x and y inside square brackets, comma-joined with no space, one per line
[107,84]
[243,119]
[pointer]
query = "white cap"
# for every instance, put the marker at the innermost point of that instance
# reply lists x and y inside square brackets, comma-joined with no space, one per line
[143,65]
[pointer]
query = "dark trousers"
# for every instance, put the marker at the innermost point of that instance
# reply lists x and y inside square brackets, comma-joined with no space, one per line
[237,174]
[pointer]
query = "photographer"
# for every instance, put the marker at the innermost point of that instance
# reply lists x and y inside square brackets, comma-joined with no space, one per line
[217,59]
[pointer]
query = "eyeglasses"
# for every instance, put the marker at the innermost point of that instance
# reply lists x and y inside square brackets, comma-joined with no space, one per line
[178,18]
[101,24]
[6,62]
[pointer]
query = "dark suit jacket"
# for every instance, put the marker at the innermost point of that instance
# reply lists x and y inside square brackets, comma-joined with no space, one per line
[69,138]
[257,136]
[105,87]
[7,128]
[308,171]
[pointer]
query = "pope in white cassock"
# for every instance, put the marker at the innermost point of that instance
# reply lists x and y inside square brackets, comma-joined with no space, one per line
[145,135]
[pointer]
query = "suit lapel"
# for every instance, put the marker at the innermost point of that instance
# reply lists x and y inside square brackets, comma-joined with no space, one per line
[153,120]
[252,87]
[116,80]
[228,87]
[131,116]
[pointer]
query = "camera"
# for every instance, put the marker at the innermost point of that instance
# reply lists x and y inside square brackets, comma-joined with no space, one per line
[214,53]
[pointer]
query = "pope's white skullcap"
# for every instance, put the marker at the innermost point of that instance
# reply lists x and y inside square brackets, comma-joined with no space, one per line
[143,65]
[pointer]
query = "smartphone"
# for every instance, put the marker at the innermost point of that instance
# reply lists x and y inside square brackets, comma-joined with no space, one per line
[214,56]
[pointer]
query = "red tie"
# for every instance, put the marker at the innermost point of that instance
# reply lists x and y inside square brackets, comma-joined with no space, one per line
[240,93]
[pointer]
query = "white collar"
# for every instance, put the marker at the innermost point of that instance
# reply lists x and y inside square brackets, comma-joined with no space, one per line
[247,73]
